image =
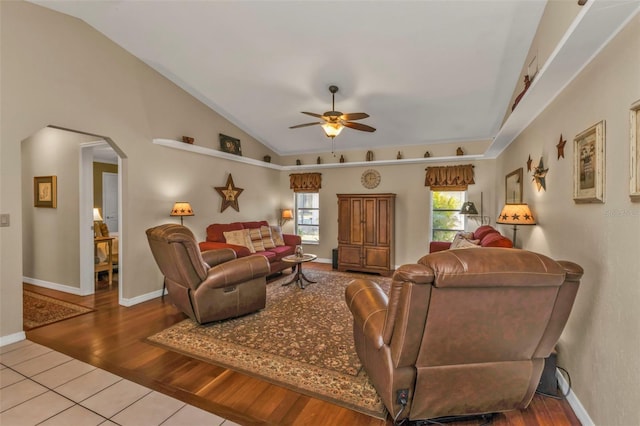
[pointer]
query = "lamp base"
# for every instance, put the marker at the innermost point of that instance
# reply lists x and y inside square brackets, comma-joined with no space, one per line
[515,230]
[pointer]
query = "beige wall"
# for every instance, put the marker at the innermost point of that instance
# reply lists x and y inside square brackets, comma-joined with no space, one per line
[601,342]
[94,86]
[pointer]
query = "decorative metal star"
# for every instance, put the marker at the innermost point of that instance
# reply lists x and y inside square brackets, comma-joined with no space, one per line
[560,147]
[529,161]
[539,175]
[229,194]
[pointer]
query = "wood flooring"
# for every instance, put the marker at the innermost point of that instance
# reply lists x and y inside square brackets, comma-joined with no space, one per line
[113,338]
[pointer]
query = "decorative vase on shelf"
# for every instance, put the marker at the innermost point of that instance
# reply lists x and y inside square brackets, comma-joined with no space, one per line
[342,158]
[399,156]
[319,160]
[459,151]
[267,158]
[427,154]
[369,155]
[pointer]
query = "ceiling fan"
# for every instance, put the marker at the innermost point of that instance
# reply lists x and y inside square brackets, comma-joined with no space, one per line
[334,121]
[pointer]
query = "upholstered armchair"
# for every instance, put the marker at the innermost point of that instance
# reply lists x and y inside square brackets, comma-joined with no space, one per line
[207,286]
[464,332]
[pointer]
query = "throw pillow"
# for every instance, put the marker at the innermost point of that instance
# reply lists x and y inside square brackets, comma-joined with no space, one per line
[465,235]
[256,239]
[239,238]
[276,234]
[267,241]
[460,242]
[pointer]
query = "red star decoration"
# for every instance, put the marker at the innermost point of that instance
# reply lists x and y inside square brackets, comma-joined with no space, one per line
[229,194]
[560,147]
[529,161]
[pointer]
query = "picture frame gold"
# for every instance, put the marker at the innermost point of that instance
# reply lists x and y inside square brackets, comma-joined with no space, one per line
[589,165]
[513,187]
[230,145]
[634,163]
[45,192]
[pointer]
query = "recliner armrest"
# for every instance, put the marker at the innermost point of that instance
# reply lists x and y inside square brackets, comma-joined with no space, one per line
[236,271]
[218,256]
[368,304]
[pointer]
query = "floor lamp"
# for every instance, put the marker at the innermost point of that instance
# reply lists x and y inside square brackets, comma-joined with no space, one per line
[516,214]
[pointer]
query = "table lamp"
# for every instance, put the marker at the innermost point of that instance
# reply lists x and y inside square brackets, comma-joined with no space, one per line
[516,214]
[181,208]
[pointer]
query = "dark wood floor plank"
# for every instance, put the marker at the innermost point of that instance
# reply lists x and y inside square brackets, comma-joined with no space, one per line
[113,338]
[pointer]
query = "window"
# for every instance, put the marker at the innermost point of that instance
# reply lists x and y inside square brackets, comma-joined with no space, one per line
[446,219]
[308,217]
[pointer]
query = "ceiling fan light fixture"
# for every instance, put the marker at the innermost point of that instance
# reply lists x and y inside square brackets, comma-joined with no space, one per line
[332,129]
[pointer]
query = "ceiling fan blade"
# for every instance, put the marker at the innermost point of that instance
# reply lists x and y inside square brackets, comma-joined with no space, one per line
[305,125]
[313,114]
[358,126]
[354,116]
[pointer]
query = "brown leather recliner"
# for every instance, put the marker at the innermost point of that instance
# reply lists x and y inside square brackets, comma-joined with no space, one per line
[207,286]
[464,331]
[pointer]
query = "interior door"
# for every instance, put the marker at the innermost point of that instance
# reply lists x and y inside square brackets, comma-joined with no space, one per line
[110,200]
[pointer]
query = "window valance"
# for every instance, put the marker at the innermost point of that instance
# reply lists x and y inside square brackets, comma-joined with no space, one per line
[449,178]
[305,182]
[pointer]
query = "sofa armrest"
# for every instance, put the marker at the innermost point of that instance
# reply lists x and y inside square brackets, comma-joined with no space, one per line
[291,239]
[218,256]
[435,246]
[235,271]
[368,303]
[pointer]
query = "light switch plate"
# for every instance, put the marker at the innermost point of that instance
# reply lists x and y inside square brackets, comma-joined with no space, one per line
[4,219]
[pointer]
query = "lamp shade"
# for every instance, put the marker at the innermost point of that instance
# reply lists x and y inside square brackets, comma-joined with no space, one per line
[468,208]
[181,208]
[516,214]
[287,214]
[96,215]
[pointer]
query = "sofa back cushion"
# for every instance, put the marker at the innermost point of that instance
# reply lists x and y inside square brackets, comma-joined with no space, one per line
[240,237]
[254,225]
[267,241]
[256,239]
[215,232]
[483,231]
[495,239]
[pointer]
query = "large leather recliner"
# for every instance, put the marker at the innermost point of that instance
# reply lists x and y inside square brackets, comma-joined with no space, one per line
[465,331]
[211,285]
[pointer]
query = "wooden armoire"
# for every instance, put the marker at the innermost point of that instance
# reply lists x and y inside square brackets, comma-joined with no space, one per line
[366,232]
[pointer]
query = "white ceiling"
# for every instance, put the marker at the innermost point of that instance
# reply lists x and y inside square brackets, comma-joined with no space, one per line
[425,71]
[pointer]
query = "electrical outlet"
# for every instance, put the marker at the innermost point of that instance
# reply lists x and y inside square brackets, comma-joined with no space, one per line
[402,396]
[5,219]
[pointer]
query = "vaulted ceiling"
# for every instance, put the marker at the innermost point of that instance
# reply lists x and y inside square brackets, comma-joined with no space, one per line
[425,71]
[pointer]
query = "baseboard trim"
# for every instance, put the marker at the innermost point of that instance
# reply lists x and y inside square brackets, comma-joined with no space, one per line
[140,299]
[12,338]
[573,401]
[54,286]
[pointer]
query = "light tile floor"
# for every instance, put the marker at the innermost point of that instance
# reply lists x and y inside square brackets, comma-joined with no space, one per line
[39,386]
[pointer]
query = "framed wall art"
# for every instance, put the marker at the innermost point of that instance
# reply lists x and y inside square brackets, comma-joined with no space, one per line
[45,191]
[588,165]
[230,145]
[513,187]
[634,127]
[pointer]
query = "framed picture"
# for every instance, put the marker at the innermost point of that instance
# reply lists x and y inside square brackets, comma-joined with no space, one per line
[634,124]
[45,191]
[588,165]
[230,145]
[513,187]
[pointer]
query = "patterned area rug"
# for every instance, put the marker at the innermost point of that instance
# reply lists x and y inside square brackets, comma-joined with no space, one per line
[302,340]
[39,310]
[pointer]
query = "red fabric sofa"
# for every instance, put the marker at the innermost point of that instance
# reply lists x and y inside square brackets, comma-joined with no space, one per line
[215,240]
[488,236]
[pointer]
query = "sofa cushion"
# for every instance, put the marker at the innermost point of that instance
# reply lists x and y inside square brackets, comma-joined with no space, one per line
[267,241]
[239,238]
[253,225]
[276,234]
[271,256]
[495,239]
[282,251]
[241,251]
[482,231]
[215,232]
